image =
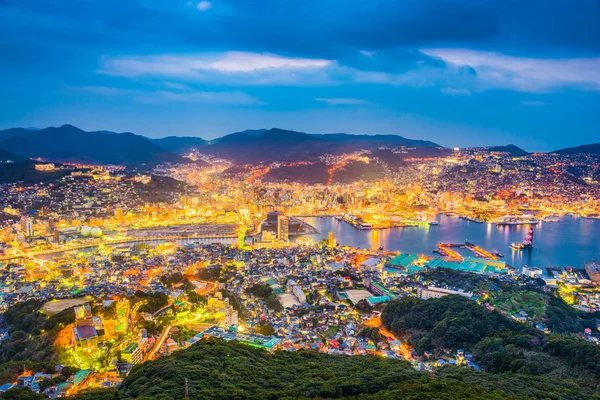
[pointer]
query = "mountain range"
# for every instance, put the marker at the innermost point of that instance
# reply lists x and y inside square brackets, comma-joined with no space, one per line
[71,144]
[593,148]
[68,143]
[510,149]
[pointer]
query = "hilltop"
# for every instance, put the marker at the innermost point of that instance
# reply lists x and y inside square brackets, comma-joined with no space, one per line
[593,148]
[68,143]
[71,144]
[219,370]
[511,149]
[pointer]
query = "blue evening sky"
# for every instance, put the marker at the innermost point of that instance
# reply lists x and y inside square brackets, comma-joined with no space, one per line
[458,72]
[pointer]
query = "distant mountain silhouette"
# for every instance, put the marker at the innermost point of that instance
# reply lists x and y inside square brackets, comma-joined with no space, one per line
[25,171]
[70,144]
[180,145]
[511,149]
[268,145]
[593,148]
[7,156]
[371,142]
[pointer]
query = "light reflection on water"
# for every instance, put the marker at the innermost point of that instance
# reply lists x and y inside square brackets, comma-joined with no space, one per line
[570,242]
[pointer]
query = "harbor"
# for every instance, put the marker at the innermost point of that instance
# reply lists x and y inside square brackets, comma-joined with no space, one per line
[569,243]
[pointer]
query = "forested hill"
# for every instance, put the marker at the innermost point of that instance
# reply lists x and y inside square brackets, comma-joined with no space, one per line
[220,370]
[497,343]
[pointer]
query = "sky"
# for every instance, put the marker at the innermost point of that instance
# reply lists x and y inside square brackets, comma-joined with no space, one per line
[457,72]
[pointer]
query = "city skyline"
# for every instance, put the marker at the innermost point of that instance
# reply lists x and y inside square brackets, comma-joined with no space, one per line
[457,73]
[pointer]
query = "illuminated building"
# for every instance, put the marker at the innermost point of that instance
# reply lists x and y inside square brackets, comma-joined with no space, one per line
[45,167]
[331,242]
[593,270]
[27,226]
[88,331]
[231,317]
[283,223]
[132,354]
[432,292]
[215,303]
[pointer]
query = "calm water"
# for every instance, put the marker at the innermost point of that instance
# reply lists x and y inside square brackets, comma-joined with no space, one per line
[570,242]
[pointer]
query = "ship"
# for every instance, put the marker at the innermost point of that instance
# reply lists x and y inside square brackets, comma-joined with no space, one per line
[551,218]
[434,222]
[518,220]
[526,244]
[591,216]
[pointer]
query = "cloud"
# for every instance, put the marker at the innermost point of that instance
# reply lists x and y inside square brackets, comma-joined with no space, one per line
[228,62]
[237,68]
[495,70]
[448,91]
[368,53]
[161,96]
[235,61]
[336,101]
[204,5]
[457,71]
[535,103]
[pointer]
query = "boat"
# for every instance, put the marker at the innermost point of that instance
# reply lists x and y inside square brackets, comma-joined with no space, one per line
[434,223]
[551,218]
[518,220]
[591,216]
[472,219]
[527,244]
[497,253]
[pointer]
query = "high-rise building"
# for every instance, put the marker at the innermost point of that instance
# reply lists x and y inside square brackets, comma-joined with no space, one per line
[27,226]
[56,236]
[132,354]
[283,224]
[331,242]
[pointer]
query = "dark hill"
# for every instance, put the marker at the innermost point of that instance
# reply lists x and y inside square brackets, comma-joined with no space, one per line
[511,149]
[371,142]
[218,370]
[25,172]
[180,145]
[584,149]
[249,147]
[68,143]
[7,156]
[498,344]
[271,145]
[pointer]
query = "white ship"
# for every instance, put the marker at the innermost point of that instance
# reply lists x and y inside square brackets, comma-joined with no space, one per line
[518,220]
[551,218]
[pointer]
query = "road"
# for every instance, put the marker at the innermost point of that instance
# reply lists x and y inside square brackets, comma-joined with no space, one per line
[159,343]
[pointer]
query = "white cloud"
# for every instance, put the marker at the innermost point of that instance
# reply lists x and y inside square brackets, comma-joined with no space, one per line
[204,5]
[228,62]
[448,91]
[336,101]
[161,96]
[495,70]
[236,61]
[535,103]
[368,53]
[491,71]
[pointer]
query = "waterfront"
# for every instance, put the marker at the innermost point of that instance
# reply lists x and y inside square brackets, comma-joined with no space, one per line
[570,242]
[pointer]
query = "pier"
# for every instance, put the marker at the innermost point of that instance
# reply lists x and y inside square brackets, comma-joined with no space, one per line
[446,250]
